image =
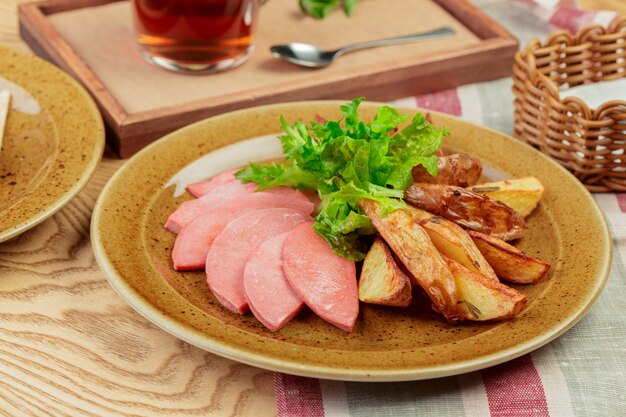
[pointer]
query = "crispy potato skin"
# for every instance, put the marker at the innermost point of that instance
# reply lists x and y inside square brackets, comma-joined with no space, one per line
[453,241]
[414,249]
[459,169]
[468,209]
[521,194]
[481,298]
[510,263]
[382,282]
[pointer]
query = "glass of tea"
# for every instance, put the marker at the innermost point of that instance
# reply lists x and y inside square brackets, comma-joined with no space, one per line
[195,36]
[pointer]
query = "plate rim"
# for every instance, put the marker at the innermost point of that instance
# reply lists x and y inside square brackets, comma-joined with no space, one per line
[192,336]
[95,155]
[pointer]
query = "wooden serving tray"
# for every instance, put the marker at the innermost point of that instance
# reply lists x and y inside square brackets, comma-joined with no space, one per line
[93,41]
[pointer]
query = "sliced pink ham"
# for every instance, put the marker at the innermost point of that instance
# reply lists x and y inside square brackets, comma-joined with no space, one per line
[218,196]
[195,239]
[325,281]
[289,192]
[226,260]
[200,188]
[270,296]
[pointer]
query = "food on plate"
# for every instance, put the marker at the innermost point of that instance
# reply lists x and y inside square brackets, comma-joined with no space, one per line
[220,194]
[218,197]
[481,298]
[521,194]
[382,282]
[468,209]
[452,241]
[252,232]
[347,160]
[510,263]
[5,99]
[325,281]
[411,244]
[195,239]
[458,169]
[227,257]
[200,188]
[270,296]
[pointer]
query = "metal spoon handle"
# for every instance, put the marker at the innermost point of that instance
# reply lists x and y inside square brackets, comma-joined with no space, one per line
[436,33]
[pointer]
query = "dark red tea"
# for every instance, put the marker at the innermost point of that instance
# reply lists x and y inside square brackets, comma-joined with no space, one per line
[195,32]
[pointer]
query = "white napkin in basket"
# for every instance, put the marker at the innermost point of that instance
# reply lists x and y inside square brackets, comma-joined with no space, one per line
[598,93]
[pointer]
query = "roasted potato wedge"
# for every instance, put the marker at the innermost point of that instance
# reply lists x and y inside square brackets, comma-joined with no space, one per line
[414,249]
[468,209]
[452,241]
[481,298]
[382,282]
[521,194]
[458,169]
[509,263]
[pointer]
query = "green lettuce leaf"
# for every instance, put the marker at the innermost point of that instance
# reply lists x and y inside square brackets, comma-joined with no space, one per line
[346,160]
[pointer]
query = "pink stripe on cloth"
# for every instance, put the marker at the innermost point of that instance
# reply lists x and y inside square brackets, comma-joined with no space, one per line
[297,396]
[515,389]
[446,101]
[621,201]
[572,18]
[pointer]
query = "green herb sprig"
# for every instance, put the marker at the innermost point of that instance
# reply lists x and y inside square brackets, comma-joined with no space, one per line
[320,8]
[346,160]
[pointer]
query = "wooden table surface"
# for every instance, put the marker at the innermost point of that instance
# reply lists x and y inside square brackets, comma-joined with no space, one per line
[70,346]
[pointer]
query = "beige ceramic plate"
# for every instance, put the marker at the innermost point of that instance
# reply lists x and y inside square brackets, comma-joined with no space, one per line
[133,249]
[54,138]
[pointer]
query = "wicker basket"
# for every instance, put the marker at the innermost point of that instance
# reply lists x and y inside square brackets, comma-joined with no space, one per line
[589,142]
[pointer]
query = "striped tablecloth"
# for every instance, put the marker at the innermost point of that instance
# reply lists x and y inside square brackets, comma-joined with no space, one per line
[582,373]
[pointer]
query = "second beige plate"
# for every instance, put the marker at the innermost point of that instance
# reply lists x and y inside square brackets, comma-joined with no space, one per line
[53,140]
[133,249]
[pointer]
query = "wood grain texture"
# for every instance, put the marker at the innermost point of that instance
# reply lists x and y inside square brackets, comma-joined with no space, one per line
[70,346]
[8,25]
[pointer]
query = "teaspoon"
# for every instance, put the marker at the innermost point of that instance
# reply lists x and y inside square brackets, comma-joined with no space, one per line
[311,56]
